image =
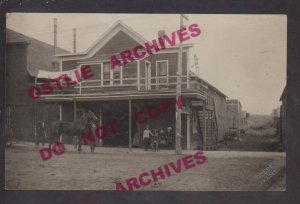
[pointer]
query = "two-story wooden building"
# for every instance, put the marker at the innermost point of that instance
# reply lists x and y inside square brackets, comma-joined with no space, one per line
[122,92]
[25,57]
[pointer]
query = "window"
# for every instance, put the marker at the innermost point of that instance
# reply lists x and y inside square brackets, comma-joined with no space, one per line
[106,73]
[162,68]
[96,70]
[162,74]
[103,74]
[117,75]
[129,71]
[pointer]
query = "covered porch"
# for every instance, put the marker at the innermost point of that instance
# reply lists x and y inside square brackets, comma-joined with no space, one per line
[123,108]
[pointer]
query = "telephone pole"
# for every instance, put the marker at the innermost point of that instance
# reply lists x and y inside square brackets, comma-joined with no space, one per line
[55,35]
[74,40]
[178,92]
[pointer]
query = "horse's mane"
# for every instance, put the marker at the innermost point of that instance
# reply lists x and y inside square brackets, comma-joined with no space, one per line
[81,122]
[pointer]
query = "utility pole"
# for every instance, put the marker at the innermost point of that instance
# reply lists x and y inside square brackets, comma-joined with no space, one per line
[55,35]
[74,40]
[178,92]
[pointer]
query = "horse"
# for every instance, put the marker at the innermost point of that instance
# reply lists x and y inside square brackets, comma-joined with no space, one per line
[77,128]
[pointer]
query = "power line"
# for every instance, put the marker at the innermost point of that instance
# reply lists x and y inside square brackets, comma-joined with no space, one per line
[59,31]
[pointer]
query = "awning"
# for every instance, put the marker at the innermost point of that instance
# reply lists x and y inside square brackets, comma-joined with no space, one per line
[42,74]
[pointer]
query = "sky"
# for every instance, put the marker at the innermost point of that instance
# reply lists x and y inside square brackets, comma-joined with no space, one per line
[243,56]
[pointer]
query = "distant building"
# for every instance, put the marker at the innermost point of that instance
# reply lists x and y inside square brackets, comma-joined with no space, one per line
[276,120]
[244,120]
[283,111]
[234,114]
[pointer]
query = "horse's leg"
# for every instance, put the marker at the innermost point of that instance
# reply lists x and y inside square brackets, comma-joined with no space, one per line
[92,145]
[43,138]
[57,142]
[51,140]
[75,142]
[79,144]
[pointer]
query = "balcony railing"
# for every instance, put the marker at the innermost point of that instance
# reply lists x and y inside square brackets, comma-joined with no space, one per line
[133,84]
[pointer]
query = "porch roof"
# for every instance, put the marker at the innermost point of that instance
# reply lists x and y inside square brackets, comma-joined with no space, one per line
[121,96]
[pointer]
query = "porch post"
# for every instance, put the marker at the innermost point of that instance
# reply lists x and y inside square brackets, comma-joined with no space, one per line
[100,124]
[60,118]
[188,132]
[204,129]
[35,117]
[130,139]
[75,117]
[35,125]
[188,69]
[188,124]
[138,74]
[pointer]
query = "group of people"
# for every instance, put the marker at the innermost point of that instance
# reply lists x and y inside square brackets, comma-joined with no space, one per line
[158,137]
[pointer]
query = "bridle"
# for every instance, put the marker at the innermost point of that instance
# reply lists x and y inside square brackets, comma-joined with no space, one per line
[91,120]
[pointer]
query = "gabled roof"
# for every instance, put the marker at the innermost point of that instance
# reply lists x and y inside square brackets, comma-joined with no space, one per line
[105,37]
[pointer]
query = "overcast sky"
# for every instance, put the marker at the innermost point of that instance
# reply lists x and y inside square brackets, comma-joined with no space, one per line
[244,56]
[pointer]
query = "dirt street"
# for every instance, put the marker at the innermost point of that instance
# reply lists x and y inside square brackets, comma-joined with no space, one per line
[230,171]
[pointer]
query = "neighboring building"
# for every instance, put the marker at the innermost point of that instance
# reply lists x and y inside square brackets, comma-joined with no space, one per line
[234,113]
[25,56]
[244,120]
[122,92]
[276,120]
[283,111]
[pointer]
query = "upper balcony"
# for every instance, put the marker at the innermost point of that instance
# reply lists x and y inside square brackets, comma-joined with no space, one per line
[134,85]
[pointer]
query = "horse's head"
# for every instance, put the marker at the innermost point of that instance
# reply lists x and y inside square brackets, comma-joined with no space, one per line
[91,117]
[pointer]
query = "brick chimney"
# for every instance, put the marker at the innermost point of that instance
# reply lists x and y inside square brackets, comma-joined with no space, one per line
[160,34]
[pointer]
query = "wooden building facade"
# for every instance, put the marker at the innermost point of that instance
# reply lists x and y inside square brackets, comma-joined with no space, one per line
[122,92]
[25,56]
[112,93]
[234,114]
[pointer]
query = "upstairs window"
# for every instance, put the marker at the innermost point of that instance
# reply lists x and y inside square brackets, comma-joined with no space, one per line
[106,73]
[162,74]
[162,68]
[117,75]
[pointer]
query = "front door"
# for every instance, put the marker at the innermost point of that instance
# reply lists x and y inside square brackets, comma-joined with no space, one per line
[147,75]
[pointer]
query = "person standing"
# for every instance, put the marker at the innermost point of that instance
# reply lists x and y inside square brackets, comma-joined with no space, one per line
[146,137]
[41,133]
[170,136]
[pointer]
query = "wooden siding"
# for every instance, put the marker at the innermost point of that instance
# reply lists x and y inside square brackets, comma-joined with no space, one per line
[220,112]
[40,54]
[17,78]
[173,62]
[121,42]
[69,65]
[24,56]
